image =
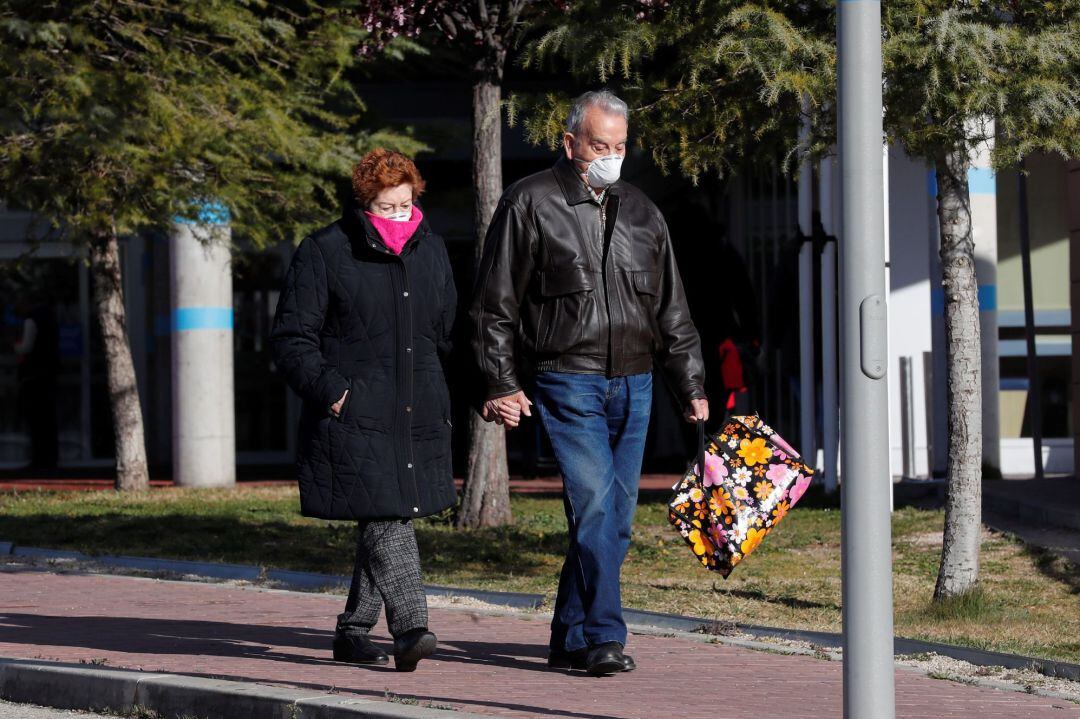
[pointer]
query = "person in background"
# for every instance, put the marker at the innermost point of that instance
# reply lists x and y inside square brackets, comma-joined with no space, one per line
[360,333]
[37,353]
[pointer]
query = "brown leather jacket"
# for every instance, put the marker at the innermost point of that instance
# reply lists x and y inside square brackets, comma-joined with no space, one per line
[559,289]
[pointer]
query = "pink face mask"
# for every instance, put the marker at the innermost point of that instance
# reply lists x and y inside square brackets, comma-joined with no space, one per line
[396,232]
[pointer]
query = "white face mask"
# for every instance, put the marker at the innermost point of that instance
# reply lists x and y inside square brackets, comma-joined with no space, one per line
[403,216]
[604,171]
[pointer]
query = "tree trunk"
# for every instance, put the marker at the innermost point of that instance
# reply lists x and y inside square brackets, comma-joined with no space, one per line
[959,570]
[131,470]
[486,500]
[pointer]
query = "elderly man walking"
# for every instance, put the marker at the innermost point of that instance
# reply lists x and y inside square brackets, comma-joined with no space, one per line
[578,292]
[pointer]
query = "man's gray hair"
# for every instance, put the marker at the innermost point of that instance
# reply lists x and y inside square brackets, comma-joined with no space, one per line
[605,100]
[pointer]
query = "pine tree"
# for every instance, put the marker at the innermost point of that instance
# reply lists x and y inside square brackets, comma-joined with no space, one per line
[115,117]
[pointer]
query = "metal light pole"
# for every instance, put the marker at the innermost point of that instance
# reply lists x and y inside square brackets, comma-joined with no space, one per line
[866,532]
[808,408]
[1034,401]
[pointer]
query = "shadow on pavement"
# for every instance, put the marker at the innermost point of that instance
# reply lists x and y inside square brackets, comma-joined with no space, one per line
[225,639]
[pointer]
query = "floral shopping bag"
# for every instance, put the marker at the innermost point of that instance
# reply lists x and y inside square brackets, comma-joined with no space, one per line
[751,478]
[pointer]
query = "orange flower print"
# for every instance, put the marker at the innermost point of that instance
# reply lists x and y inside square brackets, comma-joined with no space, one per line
[781,511]
[760,470]
[700,511]
[754,451]
[753,538]
[701,544]
[720,502]
[763,489]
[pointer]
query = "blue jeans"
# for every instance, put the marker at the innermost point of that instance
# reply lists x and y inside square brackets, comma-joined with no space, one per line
[597,429]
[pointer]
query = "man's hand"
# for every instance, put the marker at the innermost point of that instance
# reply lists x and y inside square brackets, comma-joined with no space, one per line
[335,408]
[507,410]
[698,410]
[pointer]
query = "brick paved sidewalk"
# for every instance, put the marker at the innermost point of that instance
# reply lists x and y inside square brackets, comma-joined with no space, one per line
[486,664]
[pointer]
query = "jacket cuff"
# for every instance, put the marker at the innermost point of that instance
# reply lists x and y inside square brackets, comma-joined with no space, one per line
[693,392]
[503,387]
[333,386]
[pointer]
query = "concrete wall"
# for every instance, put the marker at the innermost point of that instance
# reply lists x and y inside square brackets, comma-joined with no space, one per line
[909,214]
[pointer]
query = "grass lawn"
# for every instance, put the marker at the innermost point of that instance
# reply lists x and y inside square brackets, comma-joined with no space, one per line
[1029,602]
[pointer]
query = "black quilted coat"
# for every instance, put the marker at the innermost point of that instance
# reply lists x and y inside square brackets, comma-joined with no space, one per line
[353,315]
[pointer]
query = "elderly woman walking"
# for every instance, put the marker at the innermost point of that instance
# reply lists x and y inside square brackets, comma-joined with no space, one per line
[360,332]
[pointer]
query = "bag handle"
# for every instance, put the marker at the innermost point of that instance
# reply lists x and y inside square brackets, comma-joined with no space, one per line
[701,448]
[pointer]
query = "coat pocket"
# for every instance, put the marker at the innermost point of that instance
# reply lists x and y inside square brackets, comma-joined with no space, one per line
[646,291]
[567,300]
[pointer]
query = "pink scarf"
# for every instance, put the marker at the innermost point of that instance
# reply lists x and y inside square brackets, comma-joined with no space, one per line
[395,234]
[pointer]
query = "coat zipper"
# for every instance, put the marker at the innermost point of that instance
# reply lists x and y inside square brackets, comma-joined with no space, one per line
[408,353]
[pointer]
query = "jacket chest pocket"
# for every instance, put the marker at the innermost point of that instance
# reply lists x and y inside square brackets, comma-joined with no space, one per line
[646,285]
[566,308]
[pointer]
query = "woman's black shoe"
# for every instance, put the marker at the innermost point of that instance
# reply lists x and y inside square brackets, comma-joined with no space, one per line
[357,649]
[562,659]
[606,658]
[411,647]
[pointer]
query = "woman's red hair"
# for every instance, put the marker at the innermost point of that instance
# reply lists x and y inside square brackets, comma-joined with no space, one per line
[382,168]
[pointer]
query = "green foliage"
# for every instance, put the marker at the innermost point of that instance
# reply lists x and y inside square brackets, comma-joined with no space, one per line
[711,82]
[123,114]
[949,64]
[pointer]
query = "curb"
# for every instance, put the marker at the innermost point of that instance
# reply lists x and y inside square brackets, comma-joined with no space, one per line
[901,646]
[249,573]
[634,617]
[75,686]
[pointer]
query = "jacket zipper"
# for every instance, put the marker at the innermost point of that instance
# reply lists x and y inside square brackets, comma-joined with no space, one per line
[409,382]
[602,244]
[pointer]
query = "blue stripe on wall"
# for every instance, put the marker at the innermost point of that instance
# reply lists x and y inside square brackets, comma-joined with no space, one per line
[202,318]
[987,300]
[209,213]
[982,181]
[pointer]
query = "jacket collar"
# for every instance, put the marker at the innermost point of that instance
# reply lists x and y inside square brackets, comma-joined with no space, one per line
[363,235]
[574,190]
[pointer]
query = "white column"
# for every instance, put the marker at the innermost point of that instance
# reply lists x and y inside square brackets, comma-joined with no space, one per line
[203,431]
[830,395]
[982,188]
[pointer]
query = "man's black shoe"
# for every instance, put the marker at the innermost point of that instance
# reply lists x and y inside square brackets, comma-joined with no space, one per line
[562,659]
[411,647]
[606,658]
[357,649]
